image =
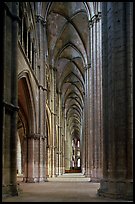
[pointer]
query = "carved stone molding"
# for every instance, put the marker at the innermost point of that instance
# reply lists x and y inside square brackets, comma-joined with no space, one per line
[40,19]
[88,66]
[35,136]
[94,19]
[10,107]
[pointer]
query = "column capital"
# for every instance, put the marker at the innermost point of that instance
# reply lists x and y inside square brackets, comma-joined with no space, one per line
[53,68]
[88,66]
[53,113]
[40,19]
[10,107]
[42,87]
[13,16]
[94,19]
[36,136]
[52,146]
[59,92]
[35,50]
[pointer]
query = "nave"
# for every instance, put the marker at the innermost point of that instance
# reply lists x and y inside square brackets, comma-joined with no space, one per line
[66,100]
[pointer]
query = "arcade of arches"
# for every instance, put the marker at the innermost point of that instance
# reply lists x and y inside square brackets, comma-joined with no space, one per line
[66,94]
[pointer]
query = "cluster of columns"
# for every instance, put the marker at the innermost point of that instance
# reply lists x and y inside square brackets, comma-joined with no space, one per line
[35,140]
[60,138]
[117,100]
[9,99]
[92,142]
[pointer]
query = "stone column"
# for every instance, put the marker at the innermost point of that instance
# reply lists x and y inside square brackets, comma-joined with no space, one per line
[83,143]
[100,104]
[30,46]
[41,27]
[95,106]
[9,100]
[91,98]
[27,43]
[63,155]
[67,144]
[19,156]
[36,67]
[67,151]
[60,135]
[117,182]
[95,122]
[29,156]
[53,119]
[62,138]
[33,153]
[86,109]
[25,158]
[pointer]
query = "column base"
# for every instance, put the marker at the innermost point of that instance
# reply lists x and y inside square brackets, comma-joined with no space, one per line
[87,175]
[42,179]
[34,179]
[95,180]
[96,175]
[54,175]
[83,170]
[116,189]
[10,190]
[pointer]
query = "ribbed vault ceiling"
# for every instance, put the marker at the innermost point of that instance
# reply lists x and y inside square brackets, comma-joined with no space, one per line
[68,46]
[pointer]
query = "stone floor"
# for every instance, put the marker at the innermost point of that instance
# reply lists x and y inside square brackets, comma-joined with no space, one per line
[65,188]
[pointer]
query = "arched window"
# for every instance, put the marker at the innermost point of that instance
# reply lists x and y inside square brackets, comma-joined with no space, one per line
[78,143]
[78,162]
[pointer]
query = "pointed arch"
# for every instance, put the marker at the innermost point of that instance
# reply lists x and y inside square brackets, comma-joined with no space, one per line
[48,125]
[26,99]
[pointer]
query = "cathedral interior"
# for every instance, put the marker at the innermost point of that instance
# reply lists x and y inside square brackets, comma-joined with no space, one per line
[67,94]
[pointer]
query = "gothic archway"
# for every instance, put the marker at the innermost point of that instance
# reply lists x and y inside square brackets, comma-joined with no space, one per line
[48,144]
[26,122]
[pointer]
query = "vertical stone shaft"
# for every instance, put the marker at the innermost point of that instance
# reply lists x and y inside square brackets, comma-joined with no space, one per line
[129,93]
[91,99]
[117,104]
[100,103]
[53,109]
[9,30]
[98,106]
[88,142]
[95,89]
[42,107]
[36,140]
[85,142]
[60,136]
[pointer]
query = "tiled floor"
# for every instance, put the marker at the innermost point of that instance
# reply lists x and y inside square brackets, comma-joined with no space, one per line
[65,188]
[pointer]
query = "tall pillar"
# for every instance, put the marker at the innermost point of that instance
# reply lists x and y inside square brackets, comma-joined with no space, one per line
[19,156]
[58,136]
[86,143]
[34,151]
[67,156]
[41,27]
[62,138]
[94,99]
[53,119]
[117,31]
[83,143]
[91,99]
[8,41]
[67,151]
[63,155]
[29,162]
[100,104]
